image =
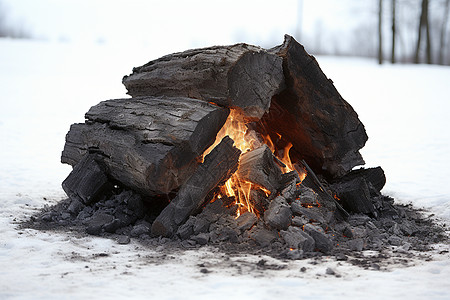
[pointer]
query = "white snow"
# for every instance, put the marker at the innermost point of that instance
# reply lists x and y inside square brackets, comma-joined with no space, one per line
[46,87]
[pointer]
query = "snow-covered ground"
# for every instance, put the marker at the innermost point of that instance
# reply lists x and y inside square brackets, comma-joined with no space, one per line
[46,87]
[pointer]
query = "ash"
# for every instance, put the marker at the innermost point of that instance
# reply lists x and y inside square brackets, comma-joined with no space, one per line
[291,227]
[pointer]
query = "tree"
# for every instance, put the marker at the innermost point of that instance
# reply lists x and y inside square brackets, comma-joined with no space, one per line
[424,24]
[393,32]
[380,34]
[442,41]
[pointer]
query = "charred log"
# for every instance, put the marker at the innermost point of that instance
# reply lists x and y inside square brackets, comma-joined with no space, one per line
[87,182]
[149,144]
[311,114]
[258,167]
[237,76]
[218,166]
[355,196]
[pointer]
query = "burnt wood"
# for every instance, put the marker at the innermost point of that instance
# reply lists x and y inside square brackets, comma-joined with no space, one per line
[258,167]
[311,114]
[374,176]
[329,202]
[217,167]
[238,76]
[355,195]
[87,182]
[149,144]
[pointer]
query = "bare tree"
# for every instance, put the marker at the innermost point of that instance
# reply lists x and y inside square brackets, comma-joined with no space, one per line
[424,24]
[393,31]
[380,33]
[442,38]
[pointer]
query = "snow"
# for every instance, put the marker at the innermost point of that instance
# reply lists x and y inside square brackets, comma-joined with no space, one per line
[46,87]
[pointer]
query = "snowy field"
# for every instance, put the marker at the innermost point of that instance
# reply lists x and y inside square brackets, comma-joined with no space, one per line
[46,87]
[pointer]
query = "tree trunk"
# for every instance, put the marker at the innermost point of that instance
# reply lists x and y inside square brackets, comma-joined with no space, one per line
[423,24]
[393,31]
[311,114]
[149,144]
[239,76]
[218,166]
[442,40]
[380,32]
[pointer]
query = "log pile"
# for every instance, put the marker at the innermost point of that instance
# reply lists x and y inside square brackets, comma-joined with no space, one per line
[153,145]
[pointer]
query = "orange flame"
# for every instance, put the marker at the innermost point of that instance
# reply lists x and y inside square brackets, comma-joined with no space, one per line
[235,127]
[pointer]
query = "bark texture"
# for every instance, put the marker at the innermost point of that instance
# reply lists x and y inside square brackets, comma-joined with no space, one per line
[238,76]
[149,144]
[311,114]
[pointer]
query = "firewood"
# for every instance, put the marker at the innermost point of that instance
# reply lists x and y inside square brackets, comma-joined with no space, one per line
[87,182]
[258,167]
[238,76]
[152,145]
[311,114]
[218,166]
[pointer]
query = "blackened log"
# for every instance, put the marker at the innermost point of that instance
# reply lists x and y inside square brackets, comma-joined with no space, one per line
[149,144]
[217,167]
[258,167]
[87,182]
[355,195]
[374,176]
[237,76]
[311,114]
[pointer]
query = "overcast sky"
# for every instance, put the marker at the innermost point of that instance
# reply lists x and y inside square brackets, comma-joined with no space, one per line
[181,24]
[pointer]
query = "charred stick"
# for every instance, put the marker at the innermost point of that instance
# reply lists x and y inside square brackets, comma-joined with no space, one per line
[322,188]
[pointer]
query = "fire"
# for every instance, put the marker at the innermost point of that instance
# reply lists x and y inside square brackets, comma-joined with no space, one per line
[246,140]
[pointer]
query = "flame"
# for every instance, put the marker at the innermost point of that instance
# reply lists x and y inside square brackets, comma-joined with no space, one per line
[245,140]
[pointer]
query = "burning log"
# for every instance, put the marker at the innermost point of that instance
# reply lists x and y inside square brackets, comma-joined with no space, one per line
[311,114]
[152,145]
[258,167]
[238,76]
[218,166]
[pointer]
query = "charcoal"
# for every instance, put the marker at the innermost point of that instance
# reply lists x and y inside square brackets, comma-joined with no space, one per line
[294,254]
[112,226]
[355,196]
[97,221]
[201,238]
[356,244]
[347,232]
[358,219]
[246,221]
[312,213]
[95,229]
[186,230]
[290,191]
[299,221]
[226,233]
[140,229]
[396,230]
[123,240]
[201,225]
[307,196]
[408,228]
[135,204]
[296,238]
[263,236]
[395,240]
[330,271]
[87,182]
[279,214]
[75,207]
[322,242]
